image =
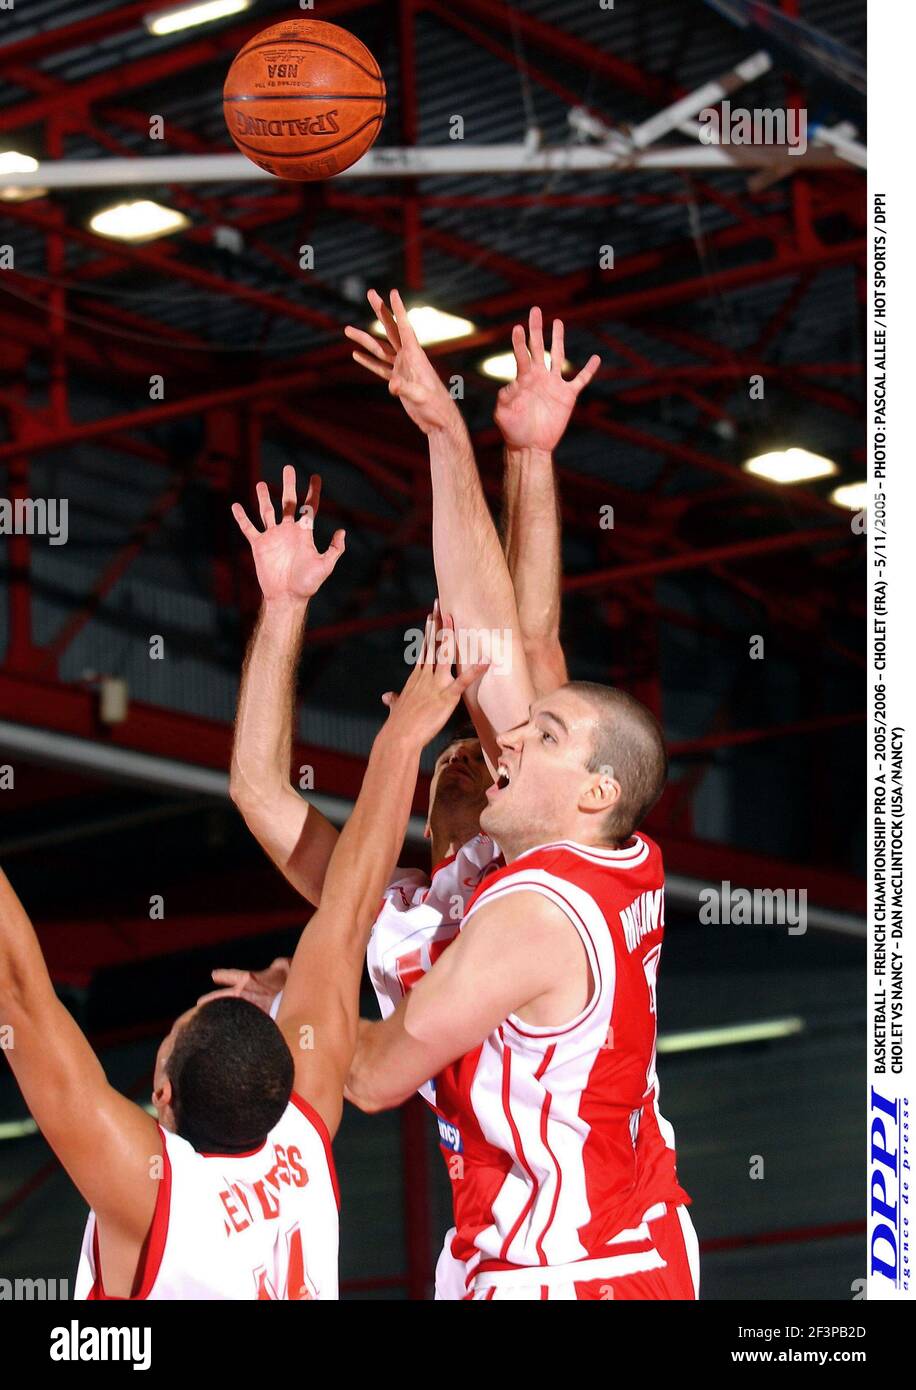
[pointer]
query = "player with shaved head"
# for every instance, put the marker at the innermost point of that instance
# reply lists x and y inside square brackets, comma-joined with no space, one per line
[538,1022]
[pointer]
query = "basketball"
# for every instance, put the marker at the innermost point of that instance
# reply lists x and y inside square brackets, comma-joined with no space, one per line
[304,100]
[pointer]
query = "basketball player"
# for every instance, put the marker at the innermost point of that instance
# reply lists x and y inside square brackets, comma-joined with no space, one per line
[539,1020]
[230,1192]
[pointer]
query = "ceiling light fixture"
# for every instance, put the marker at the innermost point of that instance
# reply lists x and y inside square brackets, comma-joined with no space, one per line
[433,325]
[186,16]
[140,221]
[790,466]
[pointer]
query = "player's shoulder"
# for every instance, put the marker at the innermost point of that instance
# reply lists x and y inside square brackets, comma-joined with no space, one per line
[569,858]
[566,867]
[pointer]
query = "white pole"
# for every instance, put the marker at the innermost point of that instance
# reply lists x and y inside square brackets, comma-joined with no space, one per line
[411,163]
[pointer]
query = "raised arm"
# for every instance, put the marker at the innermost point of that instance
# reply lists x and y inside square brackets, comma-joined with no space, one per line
[319,1012]
[107,1144]
[532,413]
[296,836]
[471,572]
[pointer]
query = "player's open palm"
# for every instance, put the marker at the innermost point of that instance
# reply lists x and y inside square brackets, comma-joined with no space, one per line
[285,558]
[431,692]
[399,359]
[533,411]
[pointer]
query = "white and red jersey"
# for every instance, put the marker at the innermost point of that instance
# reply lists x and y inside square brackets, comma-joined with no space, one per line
[545,1122]
[418,918]
[260,1225]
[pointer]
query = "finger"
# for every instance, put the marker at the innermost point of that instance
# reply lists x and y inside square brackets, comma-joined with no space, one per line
[428,655]
[265,506]
[536,335]
[312,500]
[245,525]
[520,348]
[557,347]
[385,318]
[468,677]
[405,327]
[377,346]
[288,498]
[446,652]
[229,977]
[580,382]
[373,365]
[334,551]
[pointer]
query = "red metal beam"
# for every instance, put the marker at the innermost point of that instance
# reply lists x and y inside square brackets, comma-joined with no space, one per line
[143,72]
[732,738]
[701,559]
[71,709]
[703,859]
[559,43]
[112,572]
[38,47]
[168,264]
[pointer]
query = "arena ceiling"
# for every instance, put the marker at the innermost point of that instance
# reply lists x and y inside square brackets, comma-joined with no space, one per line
[718,275]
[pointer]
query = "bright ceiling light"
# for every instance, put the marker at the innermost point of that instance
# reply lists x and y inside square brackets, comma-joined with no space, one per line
[501,367]
[186,16]
[790,466]
[141,221]
[12,162]
[433,325]
[851,495]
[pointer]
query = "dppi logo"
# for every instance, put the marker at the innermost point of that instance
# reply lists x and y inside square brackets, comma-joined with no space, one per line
[885,1185]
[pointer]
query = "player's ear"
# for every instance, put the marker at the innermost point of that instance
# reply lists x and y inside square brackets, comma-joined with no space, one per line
[162,1094]
[603,792]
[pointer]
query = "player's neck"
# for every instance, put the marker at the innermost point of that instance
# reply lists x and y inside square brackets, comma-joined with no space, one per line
[444,846]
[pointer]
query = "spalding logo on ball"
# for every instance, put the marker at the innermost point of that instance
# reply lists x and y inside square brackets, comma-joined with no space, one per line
[304,99]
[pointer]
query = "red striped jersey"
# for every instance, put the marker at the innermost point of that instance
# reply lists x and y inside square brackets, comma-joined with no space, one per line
[552,1152]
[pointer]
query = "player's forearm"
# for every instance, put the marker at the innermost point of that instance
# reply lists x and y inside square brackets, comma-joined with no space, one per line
[264,720]
[333,946]
[25,986]
[531,536]
[473,579]
[371,841]
[383,1072]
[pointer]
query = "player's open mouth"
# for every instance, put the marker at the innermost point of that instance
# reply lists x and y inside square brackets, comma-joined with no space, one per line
[502,781]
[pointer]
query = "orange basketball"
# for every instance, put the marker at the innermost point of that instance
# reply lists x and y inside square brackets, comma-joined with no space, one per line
[304,99]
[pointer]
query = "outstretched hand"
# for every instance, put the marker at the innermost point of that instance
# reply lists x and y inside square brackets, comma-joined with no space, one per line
[431,693]
[533,411]
[399,359]
[285,558]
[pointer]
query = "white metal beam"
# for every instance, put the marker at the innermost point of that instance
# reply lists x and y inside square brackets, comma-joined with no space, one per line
[413,162]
